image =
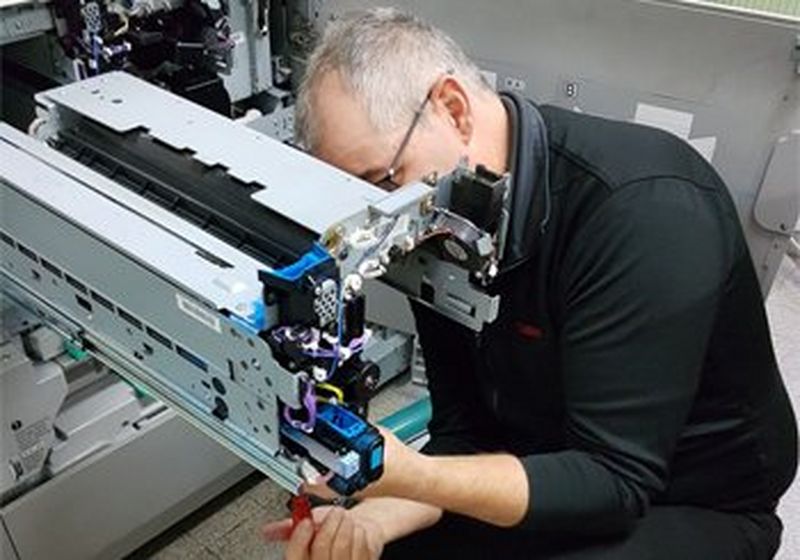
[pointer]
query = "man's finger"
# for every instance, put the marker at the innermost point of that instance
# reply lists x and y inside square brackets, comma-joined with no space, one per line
[277,530]
[282,530]
[360,549]
[320,513]
[323,540]
[297,548]
[320,489]
[343,539]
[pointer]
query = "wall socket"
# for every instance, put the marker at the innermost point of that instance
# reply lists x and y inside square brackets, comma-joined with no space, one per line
[515,84]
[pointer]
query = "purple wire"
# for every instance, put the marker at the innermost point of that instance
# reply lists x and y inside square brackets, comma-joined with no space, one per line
[359,342]
[310,404]
[356,345]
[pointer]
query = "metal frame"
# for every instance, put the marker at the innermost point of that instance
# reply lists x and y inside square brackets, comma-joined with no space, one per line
[159,270]
[179,311]
[22,20]
[756,9]
[289,179]
[95,510]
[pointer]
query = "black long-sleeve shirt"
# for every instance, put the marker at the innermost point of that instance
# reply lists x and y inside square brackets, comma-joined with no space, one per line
[631,363]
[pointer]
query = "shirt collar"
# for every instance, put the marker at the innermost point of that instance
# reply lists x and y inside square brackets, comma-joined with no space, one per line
[529,199]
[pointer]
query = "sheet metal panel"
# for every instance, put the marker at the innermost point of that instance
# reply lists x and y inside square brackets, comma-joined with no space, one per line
[123,496]
[312,194]
[104,206]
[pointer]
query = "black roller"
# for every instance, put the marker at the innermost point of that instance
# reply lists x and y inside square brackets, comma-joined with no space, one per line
[206,196]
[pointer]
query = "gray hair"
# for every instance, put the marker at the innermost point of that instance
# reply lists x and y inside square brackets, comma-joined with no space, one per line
[390,60]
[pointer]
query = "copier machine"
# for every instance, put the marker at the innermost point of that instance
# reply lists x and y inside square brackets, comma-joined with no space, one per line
[155,254]
[215,270]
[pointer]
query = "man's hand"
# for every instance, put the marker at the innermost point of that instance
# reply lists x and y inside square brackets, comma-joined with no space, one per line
[401,469]
[334,534]
[492,488]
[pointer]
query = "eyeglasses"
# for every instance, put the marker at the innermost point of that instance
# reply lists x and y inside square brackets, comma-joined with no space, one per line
[387,182]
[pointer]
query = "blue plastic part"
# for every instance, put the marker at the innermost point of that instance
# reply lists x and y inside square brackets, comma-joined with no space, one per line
[253,323]
[344,422]
[376,459]
[342,432]
[293,272]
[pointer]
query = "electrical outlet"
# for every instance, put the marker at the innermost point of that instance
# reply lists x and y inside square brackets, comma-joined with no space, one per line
[515,84]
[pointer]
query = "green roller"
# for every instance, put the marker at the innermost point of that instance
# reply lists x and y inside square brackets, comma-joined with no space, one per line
[410,422]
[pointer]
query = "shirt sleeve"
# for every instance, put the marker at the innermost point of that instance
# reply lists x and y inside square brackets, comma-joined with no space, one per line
[460,423]
[639,289]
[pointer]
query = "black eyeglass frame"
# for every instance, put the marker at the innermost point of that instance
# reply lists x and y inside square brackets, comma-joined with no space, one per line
[387,182]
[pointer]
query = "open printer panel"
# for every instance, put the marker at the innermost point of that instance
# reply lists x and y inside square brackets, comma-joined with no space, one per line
[222,270]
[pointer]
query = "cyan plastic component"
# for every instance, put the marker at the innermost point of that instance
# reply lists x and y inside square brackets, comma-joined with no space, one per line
[75,352]
[298,288]
[410,422]
[342,421]
[341,442]
[253,323]
[295,271]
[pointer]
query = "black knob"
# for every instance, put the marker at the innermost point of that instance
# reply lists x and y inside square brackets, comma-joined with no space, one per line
[220,408]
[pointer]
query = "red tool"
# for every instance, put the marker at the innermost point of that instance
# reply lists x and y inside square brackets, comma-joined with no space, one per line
[301,509]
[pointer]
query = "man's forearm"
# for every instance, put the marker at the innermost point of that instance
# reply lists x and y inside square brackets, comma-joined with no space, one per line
[398,517]
[492,488]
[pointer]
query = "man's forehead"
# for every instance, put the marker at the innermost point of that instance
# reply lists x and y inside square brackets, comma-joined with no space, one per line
[344,135]
[333,101]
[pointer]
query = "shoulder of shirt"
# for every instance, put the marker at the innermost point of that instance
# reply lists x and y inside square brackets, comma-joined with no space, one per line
[620,154]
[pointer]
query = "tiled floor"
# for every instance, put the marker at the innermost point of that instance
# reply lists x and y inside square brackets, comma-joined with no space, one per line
[229,526]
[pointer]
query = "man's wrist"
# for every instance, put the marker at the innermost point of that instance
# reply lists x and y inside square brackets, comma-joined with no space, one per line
[395,518]
[406,476]
[372,512]
[421,479]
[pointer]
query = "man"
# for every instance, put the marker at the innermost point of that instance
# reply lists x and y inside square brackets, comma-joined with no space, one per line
[626,403]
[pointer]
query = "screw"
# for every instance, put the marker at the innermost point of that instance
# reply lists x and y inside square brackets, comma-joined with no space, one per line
[427,205]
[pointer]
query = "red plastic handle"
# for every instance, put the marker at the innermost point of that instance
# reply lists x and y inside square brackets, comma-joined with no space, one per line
[301,509]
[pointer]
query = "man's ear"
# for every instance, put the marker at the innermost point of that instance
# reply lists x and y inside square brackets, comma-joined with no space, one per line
[450,100]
